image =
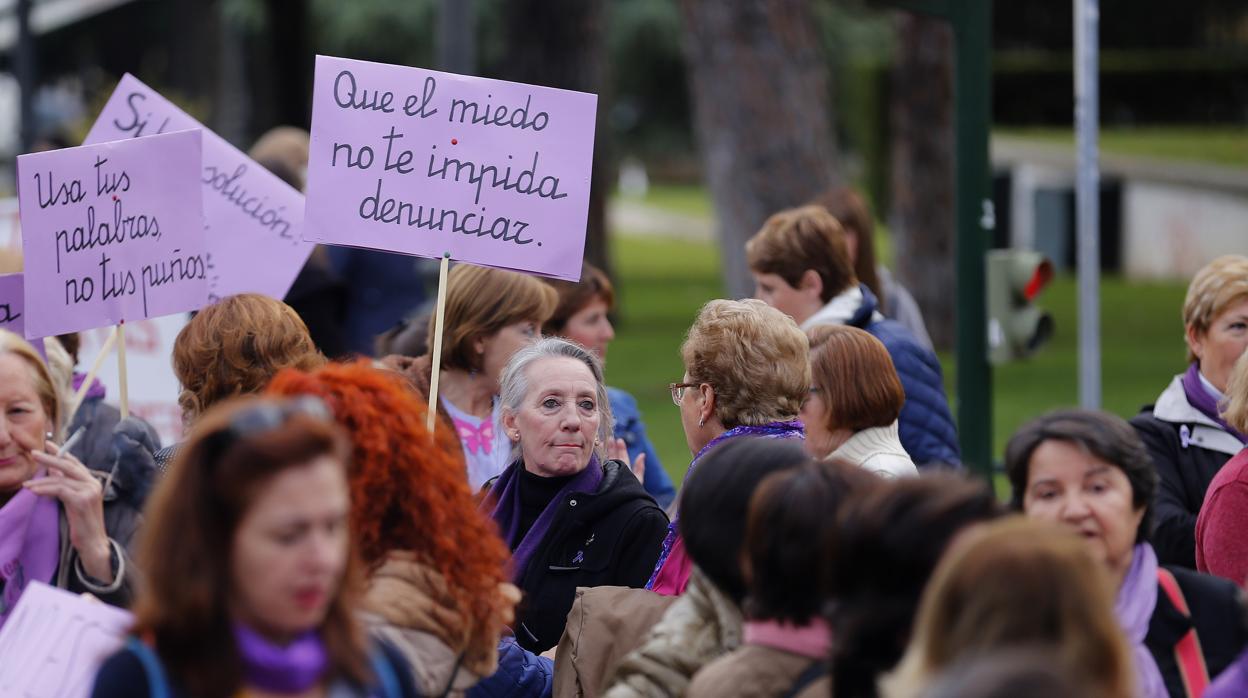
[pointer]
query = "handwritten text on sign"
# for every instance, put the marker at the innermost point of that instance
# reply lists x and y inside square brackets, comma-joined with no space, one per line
[254,219]
[55,642]
[12,304]
[112,232]
[421,162]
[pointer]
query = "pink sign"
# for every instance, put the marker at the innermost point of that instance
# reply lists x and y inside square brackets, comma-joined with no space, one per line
[421,162]
[55,642]
[253,218]
[12,304]
[112,232]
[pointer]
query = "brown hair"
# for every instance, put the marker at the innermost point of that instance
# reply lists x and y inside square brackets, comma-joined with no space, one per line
[1019,583]
[849,207]
[1217,286]
[575,295]
[855,378]
[481,301]
[407,490]
[185,545]
[755,358]
[235,346]
[792,241]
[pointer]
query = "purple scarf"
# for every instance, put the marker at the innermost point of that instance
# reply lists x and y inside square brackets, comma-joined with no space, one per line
[294,668]
[506,495]
[95,392]
[1137,599]
[1199,397]
[775,430]
[29,544]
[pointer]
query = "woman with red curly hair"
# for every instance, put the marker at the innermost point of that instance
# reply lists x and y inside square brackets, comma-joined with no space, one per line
[437,587]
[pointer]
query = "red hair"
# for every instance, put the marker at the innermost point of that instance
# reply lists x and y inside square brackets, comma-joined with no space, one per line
[407,492]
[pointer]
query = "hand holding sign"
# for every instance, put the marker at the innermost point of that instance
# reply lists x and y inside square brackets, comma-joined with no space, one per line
[112,232]
[423,163]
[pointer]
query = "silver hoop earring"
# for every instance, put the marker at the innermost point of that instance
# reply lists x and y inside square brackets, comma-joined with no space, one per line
[701,422]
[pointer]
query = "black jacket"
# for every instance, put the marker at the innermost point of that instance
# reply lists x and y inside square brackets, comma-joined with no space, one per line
[611,537]
[1218,615]
[1188,449]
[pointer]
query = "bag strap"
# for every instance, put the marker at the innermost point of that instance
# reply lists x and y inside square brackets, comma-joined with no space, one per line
[1187,651]
[387,681]
[812,673]
[158,685]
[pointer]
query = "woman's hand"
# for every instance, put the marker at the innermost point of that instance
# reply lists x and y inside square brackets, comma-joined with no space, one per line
[618,450]
[83,498]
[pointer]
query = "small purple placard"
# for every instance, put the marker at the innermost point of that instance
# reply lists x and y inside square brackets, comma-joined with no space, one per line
[422,162]
[112,232]
[253,218]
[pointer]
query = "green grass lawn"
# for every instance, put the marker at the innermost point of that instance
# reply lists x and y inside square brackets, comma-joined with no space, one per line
[1219,145]
[662,283]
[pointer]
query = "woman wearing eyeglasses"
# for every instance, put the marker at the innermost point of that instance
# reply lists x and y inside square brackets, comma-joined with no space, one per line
[250,584]
[746,375]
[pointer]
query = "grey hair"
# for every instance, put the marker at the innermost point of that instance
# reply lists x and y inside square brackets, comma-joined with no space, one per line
[515,382]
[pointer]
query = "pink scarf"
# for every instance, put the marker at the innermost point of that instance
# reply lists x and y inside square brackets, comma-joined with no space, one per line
[813,640]
[29,545]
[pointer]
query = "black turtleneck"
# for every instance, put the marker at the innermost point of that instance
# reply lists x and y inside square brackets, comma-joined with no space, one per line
[536,493]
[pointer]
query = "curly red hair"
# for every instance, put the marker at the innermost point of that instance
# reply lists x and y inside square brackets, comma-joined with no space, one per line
[407,492]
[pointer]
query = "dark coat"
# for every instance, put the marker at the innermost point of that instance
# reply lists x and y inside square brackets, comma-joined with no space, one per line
[1218,615]
[610,537]
[133,443]
[1188,449]
[926,424]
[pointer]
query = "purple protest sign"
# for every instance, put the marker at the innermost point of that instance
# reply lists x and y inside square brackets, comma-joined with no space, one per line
[112,232]
[253,218]
[422,162]
[12,304]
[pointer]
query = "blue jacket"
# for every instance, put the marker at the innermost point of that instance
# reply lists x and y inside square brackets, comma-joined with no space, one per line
[628,426]
[520,674]
[926,425]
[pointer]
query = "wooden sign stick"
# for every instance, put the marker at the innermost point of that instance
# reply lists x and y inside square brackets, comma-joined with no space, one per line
[121,370]
[436,369]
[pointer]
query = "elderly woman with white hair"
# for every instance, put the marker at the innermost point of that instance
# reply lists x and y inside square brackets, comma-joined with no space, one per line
[571,517]
[1184,431]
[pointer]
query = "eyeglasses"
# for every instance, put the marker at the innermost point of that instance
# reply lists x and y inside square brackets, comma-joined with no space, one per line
[268,415]
[678,390]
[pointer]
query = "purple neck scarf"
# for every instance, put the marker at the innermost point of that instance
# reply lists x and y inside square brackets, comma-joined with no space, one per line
[294,668]
[506,494]
[775,430]
[1199,397]
[29,545]
[1137,599]
[96,391]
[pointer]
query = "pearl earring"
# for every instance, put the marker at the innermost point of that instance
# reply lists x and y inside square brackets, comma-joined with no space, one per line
[701,422]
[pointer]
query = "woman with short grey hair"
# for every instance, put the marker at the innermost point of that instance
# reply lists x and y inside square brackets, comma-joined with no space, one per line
[571,517]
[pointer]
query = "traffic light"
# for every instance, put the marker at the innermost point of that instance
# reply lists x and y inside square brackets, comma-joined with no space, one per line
[1016,328]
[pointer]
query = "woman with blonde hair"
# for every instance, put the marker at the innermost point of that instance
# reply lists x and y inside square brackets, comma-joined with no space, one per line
[60,522]
[1186,437]
[490,315]
[855,400]
[1017,583]
[747,373]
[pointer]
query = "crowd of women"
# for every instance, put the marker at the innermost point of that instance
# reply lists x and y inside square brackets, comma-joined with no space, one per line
[310,536]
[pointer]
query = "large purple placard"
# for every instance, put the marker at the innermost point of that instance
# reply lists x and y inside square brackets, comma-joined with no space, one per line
[112,232]
[12,304]
[254,219]
[421,162]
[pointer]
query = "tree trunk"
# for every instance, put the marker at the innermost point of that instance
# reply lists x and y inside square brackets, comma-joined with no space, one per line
[923,186]
[760,92]
[560,43]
